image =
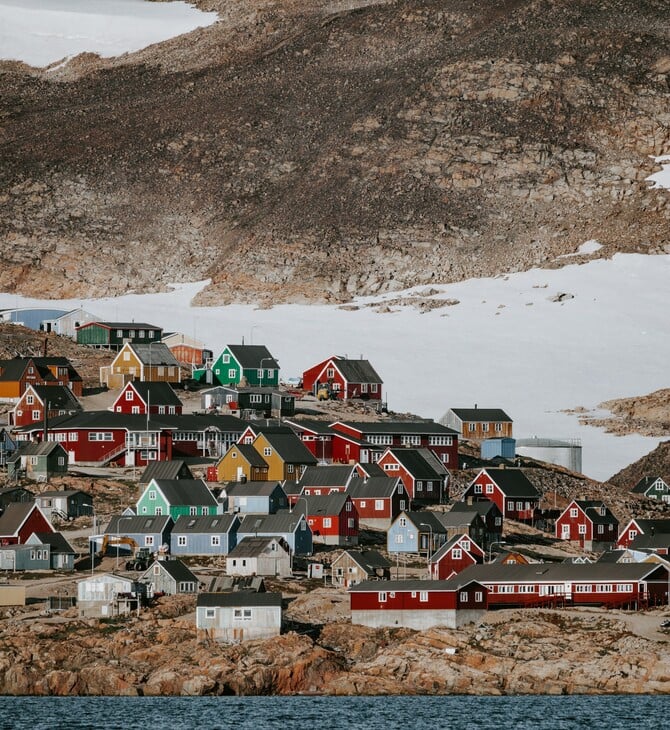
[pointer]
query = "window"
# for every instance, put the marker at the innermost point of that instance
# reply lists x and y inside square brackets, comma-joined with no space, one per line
[601,529]
[423,596]
[391,467]
[466,544]
[382,596]
[485,426]
[402,522]
[215,540]
[399,539]
[225,359]
[440,440]
[36,415]
[478,490]
[498,521]
[119,333]
[152,494]
[379,504]
[255,398]
[33,461]
[380,439]
[457,553]
[193,510]
[350,506]
[129,395]
[135,409]
[479,596]
[361,504]
[351,523]
[364,387]
[419,484]
[445,458]
[126,356]
[463,596]
[61,461]
[267,451]
[210,613]
[327,522]
[330,373]
[158,511]
[582,529]
[157,569]
[232,373]
[429,486]
[471,427]
[182,541]
[402,504]
[574,512]
[489,489]
[499,427]
[132,333]
[30,400]
[373,387]
[632,534]
[290,468]
[624,588]
[410,440]
[149,540]
[604,588]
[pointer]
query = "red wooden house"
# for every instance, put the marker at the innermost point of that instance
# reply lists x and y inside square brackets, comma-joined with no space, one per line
[344,378]
[378,500]
[622,585]
[639,526]
[140,397]
[510,489]
[418,604]
[333,519]
[57,400]
[367,441]
[588,523]
[316,435]
[319,480]
[20,520]
[454,557]
[425,477]
[489,512]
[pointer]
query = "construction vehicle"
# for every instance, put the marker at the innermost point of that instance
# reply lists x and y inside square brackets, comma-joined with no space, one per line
[140,560]
[324,391]
[116,541]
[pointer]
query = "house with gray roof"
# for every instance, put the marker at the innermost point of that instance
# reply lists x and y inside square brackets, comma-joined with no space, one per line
[653,487]
[38,461]
[290,526]
[170,469]
[267,556]
[416,532]
[378,500]
[61,553]
[170,577]
[150,531]
[204,535]
[425,477]
[265,497]
[324,479]
[65,504]
[238,616]
[177,497]
[514,494]
[477,423]
[345,378]
[353,566]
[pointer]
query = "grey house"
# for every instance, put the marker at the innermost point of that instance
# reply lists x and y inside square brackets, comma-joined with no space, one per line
[151,531]
[238,616]
[65,504]
[172,469]
[256,497]
[7,447]
[291,526]
[170,577]
[25,557]
[39,461]
[61,553]
[14,494]
[260,556]
[268,401]
[206,535]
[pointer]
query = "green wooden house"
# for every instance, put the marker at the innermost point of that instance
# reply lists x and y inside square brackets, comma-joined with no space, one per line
[177,497]
[38,461]
[246,365]
[114,335]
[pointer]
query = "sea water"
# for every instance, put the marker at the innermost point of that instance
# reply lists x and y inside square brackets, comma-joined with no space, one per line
[614,712]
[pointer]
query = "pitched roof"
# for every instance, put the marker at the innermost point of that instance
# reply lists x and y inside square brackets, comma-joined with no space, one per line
[290,448]
[332,475]
[155,392]
[328,504]
[252,547]
[371,469]
[643,485]
[238,599]
[250,454]
[427,427]
[481,414]
[57,542]
[164,470]
[250,356]
[420,463]
[121,325]
[137,524]
[597,511]
[280,523]
[175,569]
[356,371]
[310,424]
[57,396]
[191,492]
[458,518]
[404,586]
[38,448]
[15,514]
[512,482]
[368,560]
[372,488]
[444,549]
[483,507]
[558,572]
[251,489]
[647,525]
[205,524]
[424,518]
[155,353]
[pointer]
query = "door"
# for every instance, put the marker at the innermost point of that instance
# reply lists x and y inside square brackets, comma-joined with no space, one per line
[565,532]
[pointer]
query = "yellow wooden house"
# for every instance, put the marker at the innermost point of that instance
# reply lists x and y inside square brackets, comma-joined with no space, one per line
[242,463]
[152,363]
[285,454]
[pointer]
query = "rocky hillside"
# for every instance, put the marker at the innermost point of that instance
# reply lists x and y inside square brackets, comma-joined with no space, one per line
[317,149]
[510,652]
[655,463]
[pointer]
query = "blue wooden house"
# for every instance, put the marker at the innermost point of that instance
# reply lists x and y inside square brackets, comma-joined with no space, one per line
[264,498]
[416,532]
[292,526]
[151,531]
[205,535]
[25,557]
[61,553]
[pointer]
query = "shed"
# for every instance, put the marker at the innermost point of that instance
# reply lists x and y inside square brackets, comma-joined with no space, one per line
[503,447]
[238,616]
[170,577]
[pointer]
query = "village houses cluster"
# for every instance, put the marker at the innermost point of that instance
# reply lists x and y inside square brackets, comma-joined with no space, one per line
[280,485]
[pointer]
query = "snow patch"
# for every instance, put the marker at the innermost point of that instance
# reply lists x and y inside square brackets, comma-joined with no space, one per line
[43,32]
[587,248]
[661,179]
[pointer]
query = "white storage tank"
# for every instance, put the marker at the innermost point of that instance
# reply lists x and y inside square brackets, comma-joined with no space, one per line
[562,452]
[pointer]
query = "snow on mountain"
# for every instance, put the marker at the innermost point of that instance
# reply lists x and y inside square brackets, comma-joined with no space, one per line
[533,343]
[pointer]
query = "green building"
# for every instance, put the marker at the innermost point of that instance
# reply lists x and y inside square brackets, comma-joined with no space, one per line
[177,497]
[114,335]
[247,365]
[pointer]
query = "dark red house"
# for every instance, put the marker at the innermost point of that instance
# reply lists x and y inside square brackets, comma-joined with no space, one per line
[333,519]
[425,477]
[20,520]
[378,500]
[140,397]
[367,441]
[640,526]
[418,604]
[316,435]
[20,372]
[510,489]
[56,400]
[344,378]
[588,523]
[454,557]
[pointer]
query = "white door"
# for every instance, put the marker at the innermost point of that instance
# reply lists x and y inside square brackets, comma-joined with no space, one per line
[565,532]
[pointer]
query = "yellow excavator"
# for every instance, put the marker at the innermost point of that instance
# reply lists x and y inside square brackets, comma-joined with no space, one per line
[115,541]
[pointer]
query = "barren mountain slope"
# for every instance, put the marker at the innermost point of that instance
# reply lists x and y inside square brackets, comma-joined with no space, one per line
[308,150]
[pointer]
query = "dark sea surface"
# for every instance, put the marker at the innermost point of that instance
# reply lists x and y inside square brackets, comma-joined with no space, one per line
[333,713]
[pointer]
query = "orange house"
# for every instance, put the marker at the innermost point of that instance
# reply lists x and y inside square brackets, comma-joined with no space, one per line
[20,372]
